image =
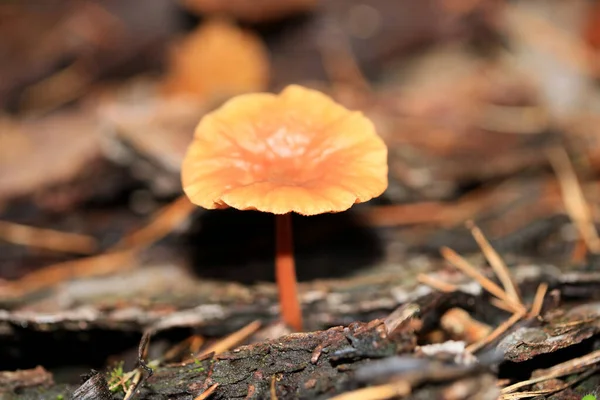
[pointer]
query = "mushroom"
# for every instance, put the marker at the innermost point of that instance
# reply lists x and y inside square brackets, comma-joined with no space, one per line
[252,11]
[299,152]
[205,64]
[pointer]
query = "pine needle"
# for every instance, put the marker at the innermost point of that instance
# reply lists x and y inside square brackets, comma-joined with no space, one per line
[501,305]
[502,328]
[381,392]
[496,262]
[538,300]
[49,239]
[102,264]
[437,284]
[162,223]
[135,382]
[573,198]
[206,394]
[452,257]
[234,339]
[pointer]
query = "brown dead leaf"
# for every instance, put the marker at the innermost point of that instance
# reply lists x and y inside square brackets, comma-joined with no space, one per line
[45,152]
[157,128]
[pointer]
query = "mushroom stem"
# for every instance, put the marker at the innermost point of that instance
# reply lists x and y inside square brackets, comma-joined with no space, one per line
[285,272]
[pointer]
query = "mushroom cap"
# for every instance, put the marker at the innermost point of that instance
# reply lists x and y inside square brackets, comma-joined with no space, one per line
[216,60]
[250,10]
[298,151]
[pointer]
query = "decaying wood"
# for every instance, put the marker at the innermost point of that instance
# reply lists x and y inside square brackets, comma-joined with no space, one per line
[94,388]
[102,302]
[565,328]
[318,365]
[247,371]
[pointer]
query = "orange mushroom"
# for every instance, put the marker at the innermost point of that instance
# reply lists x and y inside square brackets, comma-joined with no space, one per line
[250,10]
[217,60]
[298,151]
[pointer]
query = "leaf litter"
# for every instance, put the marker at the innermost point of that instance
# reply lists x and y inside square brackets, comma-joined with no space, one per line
[509,311]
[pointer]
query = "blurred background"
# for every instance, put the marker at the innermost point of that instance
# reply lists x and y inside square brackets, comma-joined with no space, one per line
[490,109]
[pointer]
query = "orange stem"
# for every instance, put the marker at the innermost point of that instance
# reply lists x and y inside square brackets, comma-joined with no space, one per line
[285,272]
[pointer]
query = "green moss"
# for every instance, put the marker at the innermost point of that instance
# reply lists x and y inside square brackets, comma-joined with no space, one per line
[117,371]
[116,378]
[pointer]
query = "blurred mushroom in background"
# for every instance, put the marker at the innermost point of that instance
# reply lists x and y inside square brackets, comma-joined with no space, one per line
[250,10]
[217,60]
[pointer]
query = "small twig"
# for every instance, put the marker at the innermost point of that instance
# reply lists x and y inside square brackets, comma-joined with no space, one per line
[429,212]
[448,214]
[496,262]
[566,368]
[501,305]
[502,328]
[436,283]
[162,223]
[234,339]
[579,251]
[461,326]
[206,394]
[137,374]
[502,382]
[49,239]
[381,392]
[573,198]
[452,257]
[197,342]
[572,324]
[552,389]
[116,258]
[538,300]
[192,343]
[508,391]
[143,351]
[81,268]
[135,384]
